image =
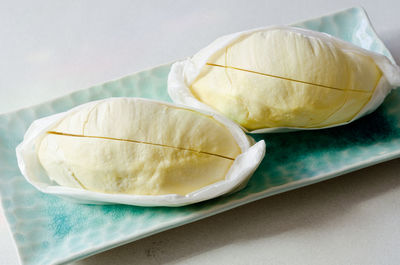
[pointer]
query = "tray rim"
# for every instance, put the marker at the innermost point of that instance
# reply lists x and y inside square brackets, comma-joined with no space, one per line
[234,204]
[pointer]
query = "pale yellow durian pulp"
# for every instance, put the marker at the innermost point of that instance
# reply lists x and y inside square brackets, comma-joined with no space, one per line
[282,78]
[137,147]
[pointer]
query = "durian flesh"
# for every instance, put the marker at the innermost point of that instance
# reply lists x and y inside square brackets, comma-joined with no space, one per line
[283,78]
[135,146]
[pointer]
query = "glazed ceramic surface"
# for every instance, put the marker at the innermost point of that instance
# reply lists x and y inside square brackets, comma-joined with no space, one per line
[51,230]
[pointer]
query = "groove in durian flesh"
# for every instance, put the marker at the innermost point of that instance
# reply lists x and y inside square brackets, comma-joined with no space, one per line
[138,147]
[281,78]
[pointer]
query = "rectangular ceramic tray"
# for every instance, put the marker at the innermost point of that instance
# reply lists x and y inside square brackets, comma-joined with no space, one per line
[51,230]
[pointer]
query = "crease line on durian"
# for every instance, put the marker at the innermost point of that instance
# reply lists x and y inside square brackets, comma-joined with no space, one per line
[226,69]
[77,180]
[138,142]
[335,112]
[286,78]
[355,115]
[369,99]
[358,112]
[231,83]
[88,117]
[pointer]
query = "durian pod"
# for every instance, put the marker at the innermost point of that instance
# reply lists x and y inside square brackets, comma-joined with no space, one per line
[139,152]
[283,78]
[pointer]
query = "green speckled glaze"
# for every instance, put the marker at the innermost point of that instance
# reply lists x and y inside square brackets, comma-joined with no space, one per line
[52,230]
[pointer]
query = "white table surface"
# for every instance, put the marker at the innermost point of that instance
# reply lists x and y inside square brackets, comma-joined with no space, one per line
[50,48]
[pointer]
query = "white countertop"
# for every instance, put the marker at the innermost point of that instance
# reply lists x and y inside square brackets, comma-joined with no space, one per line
[50,48]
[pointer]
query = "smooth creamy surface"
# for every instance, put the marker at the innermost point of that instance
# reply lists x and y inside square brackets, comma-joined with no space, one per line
[138,147]
[281,78]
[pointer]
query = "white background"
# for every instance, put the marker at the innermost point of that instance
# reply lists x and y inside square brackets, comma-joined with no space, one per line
[50,48]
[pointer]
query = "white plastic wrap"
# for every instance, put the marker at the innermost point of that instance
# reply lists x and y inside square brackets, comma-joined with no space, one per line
[240,172]
[183,73]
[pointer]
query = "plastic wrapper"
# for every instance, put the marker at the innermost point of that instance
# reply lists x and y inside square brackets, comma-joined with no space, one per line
[183,74]
[236,178]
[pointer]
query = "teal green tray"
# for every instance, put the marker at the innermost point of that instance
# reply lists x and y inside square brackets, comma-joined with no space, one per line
[51,230]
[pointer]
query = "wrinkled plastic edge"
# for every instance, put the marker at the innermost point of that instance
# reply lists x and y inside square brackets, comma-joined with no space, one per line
[185,72]
[237,177]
